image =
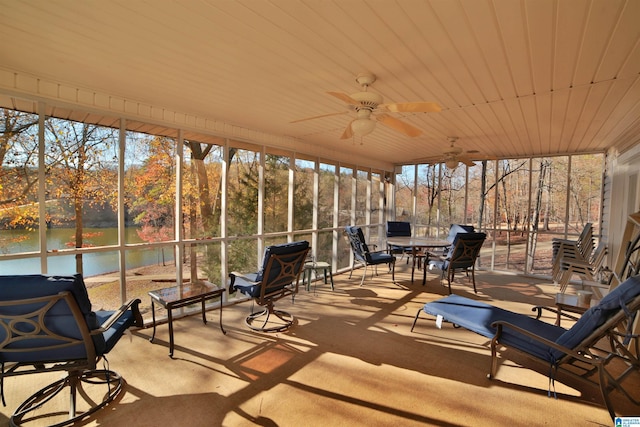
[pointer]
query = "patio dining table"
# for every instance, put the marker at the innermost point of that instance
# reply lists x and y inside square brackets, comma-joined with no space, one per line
[416,244]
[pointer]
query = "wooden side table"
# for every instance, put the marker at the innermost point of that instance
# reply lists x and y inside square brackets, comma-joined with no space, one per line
[181,296]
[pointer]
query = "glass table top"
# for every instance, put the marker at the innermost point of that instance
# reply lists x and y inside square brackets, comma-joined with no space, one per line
[187,290]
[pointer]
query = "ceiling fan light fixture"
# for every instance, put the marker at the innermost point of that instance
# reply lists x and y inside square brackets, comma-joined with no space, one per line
[451,163]
[362,127]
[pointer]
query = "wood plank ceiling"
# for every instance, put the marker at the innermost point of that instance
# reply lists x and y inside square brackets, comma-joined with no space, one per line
[513,77]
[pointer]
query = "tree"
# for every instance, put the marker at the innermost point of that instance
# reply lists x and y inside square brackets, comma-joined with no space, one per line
[80,170]
[151,191]
[535,216]
[18,169]
[203,209]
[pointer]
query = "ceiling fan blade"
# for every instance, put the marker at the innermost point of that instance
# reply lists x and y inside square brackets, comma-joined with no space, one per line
[348,133]
[320,116]
[466,161]
[477,157]
[344,97]
[399,125]
[413,107]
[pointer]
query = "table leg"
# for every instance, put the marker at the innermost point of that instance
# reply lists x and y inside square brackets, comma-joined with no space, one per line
[204,317]
[424,267]
[221,328]
[153,320]
[170,320]
[413,266]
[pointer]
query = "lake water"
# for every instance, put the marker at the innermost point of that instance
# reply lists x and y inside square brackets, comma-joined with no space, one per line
[93,263]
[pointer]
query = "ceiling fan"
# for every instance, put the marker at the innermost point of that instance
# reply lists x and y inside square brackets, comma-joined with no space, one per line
[453,156]
[369,105]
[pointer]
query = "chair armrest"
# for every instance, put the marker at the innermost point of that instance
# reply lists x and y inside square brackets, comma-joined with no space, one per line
[131,304]
[247,279]
[501,324]
[438,255]
[539,308]
[378,252]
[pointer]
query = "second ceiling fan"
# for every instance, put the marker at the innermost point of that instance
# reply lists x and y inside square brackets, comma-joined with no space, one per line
[453,155]
[369,105]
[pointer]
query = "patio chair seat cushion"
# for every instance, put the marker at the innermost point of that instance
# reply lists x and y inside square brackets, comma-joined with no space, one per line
[379,258]
[115,332]
[599,314]
[478,316]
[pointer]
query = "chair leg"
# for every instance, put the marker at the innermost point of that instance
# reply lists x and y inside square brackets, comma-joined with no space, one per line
[99,377]
[263,316]
[494,359]
[473,278]
[363,275]
[393,271]
[415,320]
[450,275]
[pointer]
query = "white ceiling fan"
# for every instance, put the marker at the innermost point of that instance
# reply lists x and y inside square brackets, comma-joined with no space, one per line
[453,156]
[369,105]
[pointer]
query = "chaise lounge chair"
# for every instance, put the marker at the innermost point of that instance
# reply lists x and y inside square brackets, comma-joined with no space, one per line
[573,351]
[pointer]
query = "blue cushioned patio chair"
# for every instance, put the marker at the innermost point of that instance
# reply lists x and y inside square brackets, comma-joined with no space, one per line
[277,279]
[362,254]
[462,255]
[46,324]
[599,349]
[398,229]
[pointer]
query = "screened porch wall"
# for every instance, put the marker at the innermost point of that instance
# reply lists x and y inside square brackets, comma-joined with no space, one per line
[195,206]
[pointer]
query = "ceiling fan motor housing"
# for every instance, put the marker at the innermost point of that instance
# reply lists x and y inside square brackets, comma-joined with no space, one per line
[368,100]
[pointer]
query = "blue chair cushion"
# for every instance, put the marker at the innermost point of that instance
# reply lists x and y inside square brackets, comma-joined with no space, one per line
[379,258]
[478,317]
[115,332]
[246,287]
[599,314]
[59,318]
[454,229]
[398,228]
[30,286]
[281,249]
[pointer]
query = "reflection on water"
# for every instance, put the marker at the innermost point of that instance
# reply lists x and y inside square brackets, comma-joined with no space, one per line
[93,263]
